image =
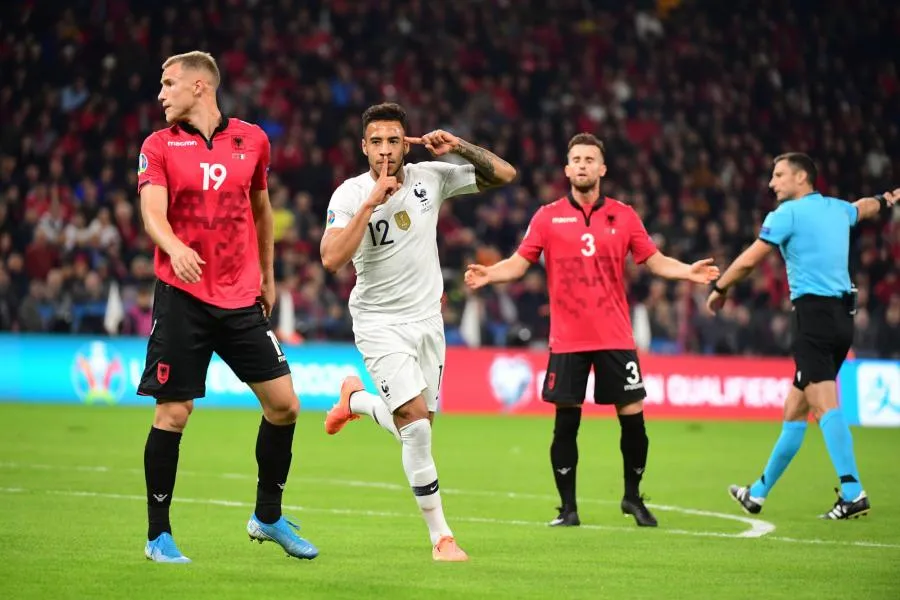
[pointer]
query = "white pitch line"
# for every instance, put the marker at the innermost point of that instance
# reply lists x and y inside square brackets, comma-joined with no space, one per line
[757,527]
[355,512]
[393,515]
[814,541]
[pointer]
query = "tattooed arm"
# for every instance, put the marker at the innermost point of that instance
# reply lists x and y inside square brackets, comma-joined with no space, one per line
[490,170]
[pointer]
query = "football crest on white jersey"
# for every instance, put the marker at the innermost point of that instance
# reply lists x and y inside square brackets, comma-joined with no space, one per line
[402,219]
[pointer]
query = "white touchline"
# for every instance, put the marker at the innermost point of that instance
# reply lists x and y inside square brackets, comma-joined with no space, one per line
[758,527]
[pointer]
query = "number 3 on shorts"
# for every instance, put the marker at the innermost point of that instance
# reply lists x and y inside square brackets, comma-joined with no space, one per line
[278,350]
[635,374]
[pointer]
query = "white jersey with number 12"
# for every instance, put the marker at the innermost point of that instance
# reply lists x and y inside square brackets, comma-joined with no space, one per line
[398,275]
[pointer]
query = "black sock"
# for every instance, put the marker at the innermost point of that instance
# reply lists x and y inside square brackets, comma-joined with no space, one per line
[160,465]
[273,457]
[634,445]
[564,454]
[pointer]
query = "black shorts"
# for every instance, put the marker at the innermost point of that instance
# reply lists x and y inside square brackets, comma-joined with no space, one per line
[186,331]
[823,334]
[617,377]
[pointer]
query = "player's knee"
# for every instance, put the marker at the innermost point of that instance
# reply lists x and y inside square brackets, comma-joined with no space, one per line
[417,433]
[279,402]
[173,416]
[568,420]
[412,411]
[284,411]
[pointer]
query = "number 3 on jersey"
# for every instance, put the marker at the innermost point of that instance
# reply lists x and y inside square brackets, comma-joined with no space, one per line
[214,171]
[589,247]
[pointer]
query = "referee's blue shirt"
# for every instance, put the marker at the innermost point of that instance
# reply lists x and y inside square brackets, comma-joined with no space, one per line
[813,234]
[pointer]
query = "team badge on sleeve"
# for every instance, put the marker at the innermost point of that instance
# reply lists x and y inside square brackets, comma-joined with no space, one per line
[142,163]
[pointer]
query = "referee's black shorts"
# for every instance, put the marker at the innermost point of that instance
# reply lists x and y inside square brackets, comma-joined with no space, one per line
[823,334]
[186,331]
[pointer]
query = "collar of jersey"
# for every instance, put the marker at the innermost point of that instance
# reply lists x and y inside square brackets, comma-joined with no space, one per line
[595,206]
[191,130]
[812,193]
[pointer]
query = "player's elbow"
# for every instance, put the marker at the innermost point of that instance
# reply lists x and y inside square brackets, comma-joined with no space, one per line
[331,263]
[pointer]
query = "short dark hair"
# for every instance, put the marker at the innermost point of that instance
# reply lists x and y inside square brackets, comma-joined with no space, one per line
[800,162]
[387,111]
[587,139]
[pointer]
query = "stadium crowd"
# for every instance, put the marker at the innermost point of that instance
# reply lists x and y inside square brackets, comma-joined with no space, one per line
[692,99]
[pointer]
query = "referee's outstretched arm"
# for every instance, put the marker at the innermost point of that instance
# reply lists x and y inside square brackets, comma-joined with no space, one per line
[880,205]
[866,208]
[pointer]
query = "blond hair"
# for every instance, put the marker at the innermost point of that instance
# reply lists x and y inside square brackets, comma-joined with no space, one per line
[196,59]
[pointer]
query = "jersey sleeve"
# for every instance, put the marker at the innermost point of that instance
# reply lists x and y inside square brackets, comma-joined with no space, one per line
[852,212]
[261,173]
[533,243]
[640,243]
[341,208]
[152,163]
[776,229]
[456,180]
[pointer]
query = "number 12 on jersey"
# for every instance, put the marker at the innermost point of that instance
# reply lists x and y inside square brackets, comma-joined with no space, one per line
[382,227]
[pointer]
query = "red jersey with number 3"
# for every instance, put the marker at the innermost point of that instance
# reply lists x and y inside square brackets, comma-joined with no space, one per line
[209,207]
[584,254]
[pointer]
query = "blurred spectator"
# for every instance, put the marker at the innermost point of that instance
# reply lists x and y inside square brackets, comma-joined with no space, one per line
[888,344]
[692,99]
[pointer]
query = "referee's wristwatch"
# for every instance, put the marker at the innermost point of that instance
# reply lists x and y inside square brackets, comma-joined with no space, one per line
[718,290]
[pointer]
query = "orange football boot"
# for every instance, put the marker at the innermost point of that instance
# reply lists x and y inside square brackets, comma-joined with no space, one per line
[340,414]
[446,550]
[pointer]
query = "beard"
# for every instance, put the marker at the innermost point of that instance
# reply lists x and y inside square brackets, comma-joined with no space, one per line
[585,185]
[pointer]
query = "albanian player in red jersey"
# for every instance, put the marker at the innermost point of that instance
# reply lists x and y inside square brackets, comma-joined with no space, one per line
[585,238]
[205,203]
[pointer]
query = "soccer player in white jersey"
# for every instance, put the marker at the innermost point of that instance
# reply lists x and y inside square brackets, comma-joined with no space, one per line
[385,220]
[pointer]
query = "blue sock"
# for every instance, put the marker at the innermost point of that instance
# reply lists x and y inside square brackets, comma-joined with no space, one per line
[783,453]
[839,442]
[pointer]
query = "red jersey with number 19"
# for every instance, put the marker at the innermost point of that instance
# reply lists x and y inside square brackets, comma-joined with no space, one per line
[584,254]
[209,207]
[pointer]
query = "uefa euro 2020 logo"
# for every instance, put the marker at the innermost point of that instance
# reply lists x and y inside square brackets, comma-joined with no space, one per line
[511,378]
[878,393]
[98,374]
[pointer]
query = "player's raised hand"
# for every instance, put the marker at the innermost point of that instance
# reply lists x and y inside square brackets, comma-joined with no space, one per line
[704,271]
[186,264]
[477,276]
[438,142]
[385,186]
[892,197]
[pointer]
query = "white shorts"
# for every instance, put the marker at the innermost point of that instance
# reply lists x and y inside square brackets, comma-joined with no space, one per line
[404,360]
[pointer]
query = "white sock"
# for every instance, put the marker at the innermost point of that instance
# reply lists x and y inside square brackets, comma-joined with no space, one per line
[422,475]
[364,403]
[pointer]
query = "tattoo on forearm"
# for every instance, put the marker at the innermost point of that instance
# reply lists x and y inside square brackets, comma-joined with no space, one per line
[483,161]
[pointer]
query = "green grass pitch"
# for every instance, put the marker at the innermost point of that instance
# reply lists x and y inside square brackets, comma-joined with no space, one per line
[73,518]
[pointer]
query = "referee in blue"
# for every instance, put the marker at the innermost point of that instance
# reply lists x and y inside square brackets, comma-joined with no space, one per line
[812,232]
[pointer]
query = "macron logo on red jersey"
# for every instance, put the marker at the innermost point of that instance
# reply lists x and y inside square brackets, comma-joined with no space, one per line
[564,219]
[171,143]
